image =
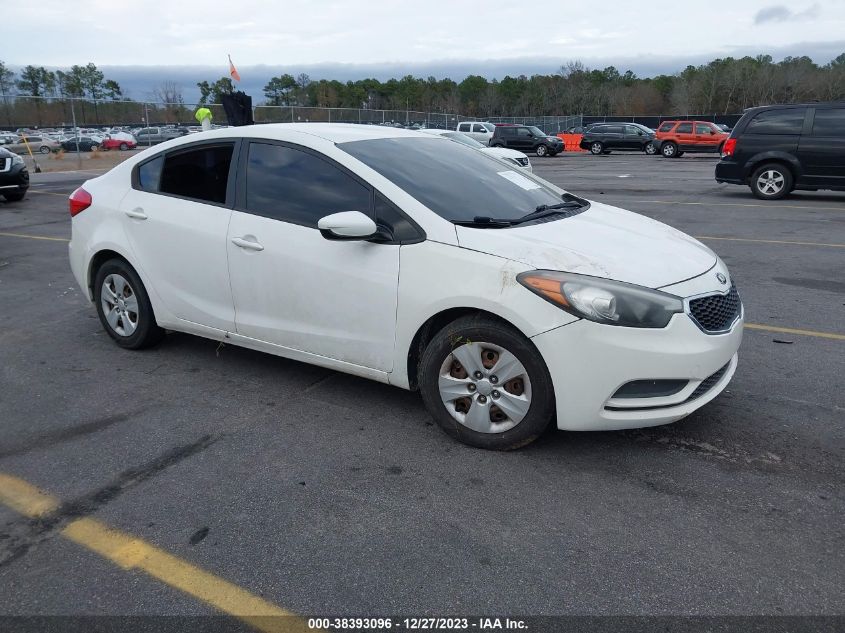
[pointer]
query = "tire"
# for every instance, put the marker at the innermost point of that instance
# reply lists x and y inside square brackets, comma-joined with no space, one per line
[679,154]
[139,333]
[44,149]
[123,147]
[596,148]
[528,391]
[14,197]
[669,150]
[650,149]
[771,181]
[542,150]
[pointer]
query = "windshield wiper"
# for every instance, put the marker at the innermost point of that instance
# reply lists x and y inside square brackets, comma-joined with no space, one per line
[484,222]
[570,203]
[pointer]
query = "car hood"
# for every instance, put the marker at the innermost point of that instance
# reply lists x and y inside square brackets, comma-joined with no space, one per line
[603,241]
[504,152]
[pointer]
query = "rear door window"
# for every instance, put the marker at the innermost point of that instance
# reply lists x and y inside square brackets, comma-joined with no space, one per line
[787,121]
[200,173]
[829,122]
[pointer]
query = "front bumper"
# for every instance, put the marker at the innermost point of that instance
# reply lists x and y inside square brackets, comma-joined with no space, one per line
[14,179]
[589,362]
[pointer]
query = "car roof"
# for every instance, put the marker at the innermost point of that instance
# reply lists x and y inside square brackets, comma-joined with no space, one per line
[811,104]
[332,132]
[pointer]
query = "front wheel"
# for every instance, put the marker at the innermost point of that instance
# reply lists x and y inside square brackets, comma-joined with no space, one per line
[123,147]
[486,384]
[771,182]
[650,149]
[124,307]
[596,148]
[542,150]
[44,149]
[17,196]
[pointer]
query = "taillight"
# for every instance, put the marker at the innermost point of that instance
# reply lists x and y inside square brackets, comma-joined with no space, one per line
[79,201]
[729,148]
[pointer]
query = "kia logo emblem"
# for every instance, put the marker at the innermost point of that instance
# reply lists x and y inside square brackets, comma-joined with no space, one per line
[722,279]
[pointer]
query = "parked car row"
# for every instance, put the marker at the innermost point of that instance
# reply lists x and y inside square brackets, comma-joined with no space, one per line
[522,138]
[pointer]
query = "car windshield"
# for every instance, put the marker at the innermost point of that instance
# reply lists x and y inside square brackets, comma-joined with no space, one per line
[536,131]
[454,181]
[463,139]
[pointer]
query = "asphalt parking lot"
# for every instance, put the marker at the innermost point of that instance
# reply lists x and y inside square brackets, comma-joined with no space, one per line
[324,494]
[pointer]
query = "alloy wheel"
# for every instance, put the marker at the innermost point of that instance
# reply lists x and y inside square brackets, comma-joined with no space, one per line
[771,182]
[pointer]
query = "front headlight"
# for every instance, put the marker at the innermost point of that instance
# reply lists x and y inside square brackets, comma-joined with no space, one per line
[17,159]
[602,300]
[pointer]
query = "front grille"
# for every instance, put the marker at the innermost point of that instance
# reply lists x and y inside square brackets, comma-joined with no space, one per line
[708,383]
[5,164]
[522,161]
[716,313]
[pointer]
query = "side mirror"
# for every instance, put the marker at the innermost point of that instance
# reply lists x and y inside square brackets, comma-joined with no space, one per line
[347,225]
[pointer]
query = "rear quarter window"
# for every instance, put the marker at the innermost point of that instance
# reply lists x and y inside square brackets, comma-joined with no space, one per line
[829,122]
[789,121]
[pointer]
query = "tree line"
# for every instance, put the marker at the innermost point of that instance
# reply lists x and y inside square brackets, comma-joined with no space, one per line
[722,86]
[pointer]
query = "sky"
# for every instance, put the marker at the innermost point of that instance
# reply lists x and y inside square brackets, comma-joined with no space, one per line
[154,40]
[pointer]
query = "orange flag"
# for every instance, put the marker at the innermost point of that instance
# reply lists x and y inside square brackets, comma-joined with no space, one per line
[233,71]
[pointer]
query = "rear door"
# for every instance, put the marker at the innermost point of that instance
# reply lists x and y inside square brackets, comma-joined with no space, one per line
[613,137]
[685,136]
[822,152]
[176,216]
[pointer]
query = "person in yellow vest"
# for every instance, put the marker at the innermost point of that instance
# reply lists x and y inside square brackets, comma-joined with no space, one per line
[203,116]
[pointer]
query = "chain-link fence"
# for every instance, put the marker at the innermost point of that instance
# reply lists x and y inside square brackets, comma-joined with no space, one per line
[47,112]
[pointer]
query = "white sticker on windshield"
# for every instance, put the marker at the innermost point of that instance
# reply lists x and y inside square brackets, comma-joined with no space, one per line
[519,179]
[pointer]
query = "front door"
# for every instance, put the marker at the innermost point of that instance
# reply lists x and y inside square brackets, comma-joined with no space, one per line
[294,288]
[176,215]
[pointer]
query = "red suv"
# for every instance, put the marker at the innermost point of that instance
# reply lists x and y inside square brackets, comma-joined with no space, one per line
[673,138]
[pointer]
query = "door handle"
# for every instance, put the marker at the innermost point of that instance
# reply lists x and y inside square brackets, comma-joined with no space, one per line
[137,213]
[251,245]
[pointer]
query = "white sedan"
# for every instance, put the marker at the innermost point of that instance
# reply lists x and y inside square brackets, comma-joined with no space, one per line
[502,153]
[508,302]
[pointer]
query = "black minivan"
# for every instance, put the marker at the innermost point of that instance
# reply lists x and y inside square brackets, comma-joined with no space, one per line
[777,149]
[600,139]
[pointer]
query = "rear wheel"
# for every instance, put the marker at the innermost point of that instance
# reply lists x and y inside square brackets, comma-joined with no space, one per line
[596,148]
[486,384]
[124,307]
[44,149]
[669,150]
[771,182]
[123,147]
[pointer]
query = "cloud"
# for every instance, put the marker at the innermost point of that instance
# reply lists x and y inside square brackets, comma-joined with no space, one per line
[779,13]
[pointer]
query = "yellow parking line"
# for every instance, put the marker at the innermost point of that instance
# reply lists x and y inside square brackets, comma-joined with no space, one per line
[35,237]
[129,552]
[49,193]
[744,239]
[789,330]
